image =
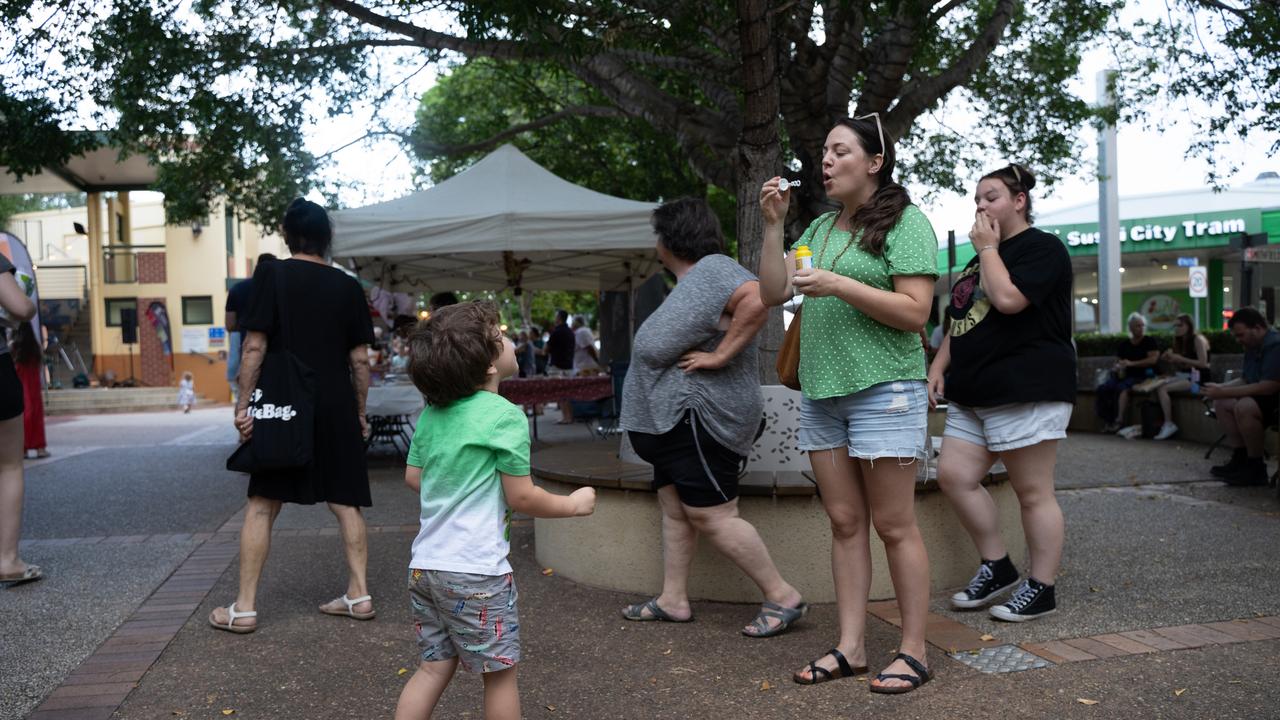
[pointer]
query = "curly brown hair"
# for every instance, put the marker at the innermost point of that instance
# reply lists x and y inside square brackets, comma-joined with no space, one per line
[450,353]
[876,217]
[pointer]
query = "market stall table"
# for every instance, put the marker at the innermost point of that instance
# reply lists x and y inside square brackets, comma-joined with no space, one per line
[530,392]
[391,410]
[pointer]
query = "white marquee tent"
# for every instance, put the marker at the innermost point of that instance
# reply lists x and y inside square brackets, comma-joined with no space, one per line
[474,230]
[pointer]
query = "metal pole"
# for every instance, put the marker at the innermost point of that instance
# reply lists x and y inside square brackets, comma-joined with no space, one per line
[1110,296]
[1197,301]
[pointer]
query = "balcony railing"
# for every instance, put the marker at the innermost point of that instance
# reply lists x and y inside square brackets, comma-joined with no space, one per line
[120,262]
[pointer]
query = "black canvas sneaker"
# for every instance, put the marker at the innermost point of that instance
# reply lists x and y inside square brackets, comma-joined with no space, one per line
[1032,600]
[1239,458]
[993,578]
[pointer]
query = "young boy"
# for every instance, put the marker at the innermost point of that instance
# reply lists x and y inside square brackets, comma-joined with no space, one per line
[469,462]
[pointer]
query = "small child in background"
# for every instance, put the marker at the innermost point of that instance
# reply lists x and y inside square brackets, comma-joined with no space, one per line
[469,463]
[187,392]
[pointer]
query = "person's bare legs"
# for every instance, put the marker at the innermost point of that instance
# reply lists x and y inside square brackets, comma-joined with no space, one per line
[1166,404]
[679,541]
[961,467]
[1031,476]
[12,491]
[419,697]
[1225,410]
[355,547]
[844,499]
[739,541]
[891,492]
[1249,425]
[1123,403]
[501,695]
[255,542]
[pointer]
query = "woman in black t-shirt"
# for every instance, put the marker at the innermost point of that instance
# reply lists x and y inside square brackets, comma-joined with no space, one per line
[1008,371]
[1136,360]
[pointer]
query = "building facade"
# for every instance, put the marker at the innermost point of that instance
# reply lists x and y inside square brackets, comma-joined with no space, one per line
[169,282]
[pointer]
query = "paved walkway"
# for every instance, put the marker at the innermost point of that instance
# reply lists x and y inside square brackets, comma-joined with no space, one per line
[1169,605]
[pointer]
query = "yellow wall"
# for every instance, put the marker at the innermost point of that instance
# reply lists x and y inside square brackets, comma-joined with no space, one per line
[195,265]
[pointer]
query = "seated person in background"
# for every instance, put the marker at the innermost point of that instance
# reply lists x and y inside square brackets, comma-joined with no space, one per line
[1137,358]
[1246,405]
[399,356]
[586,361]
[1188,361]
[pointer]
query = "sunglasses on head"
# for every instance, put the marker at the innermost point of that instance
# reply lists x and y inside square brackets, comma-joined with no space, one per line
[879,129]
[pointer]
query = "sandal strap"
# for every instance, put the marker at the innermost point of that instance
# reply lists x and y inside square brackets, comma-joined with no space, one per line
[814,669]
[846,670]
[915,681]
[916,665]
[233,615]
[352,602]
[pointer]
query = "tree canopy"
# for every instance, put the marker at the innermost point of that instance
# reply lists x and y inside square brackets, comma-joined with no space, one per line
[221,92]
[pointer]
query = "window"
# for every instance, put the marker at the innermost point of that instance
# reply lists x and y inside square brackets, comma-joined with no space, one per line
[114,306]
[197,310]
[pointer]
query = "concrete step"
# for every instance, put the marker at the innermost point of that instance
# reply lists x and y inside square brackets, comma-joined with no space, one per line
[106,400]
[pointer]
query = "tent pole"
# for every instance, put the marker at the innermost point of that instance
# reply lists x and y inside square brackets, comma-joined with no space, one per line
[631,310]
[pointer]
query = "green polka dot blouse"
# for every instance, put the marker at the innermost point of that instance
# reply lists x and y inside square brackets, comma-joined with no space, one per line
[842,350]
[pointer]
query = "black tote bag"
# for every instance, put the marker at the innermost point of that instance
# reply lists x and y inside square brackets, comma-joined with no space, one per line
[283,405]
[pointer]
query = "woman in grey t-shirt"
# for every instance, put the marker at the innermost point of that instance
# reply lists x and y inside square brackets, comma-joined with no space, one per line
[692,406]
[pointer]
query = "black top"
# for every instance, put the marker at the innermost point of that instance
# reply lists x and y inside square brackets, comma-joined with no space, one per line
[1024,357]
[238,302]
[560,347]
[1126,350]
[327,316]
[5,267]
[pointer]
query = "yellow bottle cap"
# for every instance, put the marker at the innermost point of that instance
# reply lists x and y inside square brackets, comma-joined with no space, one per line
[803,251]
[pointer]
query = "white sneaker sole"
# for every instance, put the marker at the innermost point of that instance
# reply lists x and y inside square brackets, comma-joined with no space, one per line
[960,601]
[998,612]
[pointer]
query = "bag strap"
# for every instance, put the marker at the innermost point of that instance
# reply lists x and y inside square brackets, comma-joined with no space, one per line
[283,316]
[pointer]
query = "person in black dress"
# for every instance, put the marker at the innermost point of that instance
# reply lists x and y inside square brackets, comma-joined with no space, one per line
[328,329]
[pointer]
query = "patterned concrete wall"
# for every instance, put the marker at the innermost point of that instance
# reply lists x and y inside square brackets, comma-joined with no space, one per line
[151,268]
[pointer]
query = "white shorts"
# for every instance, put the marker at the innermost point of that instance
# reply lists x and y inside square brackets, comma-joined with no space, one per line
[1008,427]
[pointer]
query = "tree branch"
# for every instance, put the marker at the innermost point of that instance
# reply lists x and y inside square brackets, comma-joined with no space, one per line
[920,94]
[941,12]
[506,49]
[309,50]
[495,140]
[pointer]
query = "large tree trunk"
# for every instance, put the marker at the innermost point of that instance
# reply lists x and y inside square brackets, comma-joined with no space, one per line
[759,155]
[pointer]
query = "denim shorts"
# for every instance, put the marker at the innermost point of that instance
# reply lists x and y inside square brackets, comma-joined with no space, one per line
[885,420]
[470,617]
[1001,428]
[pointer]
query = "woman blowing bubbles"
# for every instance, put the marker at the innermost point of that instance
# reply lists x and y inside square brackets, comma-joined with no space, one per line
[862,417]
[1010,376]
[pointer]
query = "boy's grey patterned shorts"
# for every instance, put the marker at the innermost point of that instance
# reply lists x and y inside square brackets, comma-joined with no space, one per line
[470,617]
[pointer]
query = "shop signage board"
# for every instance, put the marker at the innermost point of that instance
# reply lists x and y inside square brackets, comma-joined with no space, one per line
[1162,234]
[1188,261]
[1198,281]
[1264,254]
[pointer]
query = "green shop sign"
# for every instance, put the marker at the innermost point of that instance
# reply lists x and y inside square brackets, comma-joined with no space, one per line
[1174,232]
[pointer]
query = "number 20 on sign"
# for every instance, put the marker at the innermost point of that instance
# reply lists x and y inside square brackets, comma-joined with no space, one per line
[1198,281]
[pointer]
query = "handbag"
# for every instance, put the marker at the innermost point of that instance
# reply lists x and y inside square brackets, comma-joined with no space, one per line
[283,406]
[788,364]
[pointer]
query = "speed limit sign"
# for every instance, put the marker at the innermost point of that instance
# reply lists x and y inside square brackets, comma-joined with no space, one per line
[1198,281]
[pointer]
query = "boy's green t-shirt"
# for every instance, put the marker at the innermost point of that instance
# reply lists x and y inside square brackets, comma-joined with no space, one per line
[462,448]
[843,350]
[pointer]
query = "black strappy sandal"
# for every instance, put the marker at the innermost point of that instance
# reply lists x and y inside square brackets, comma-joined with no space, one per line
[921,677]
[846,670]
